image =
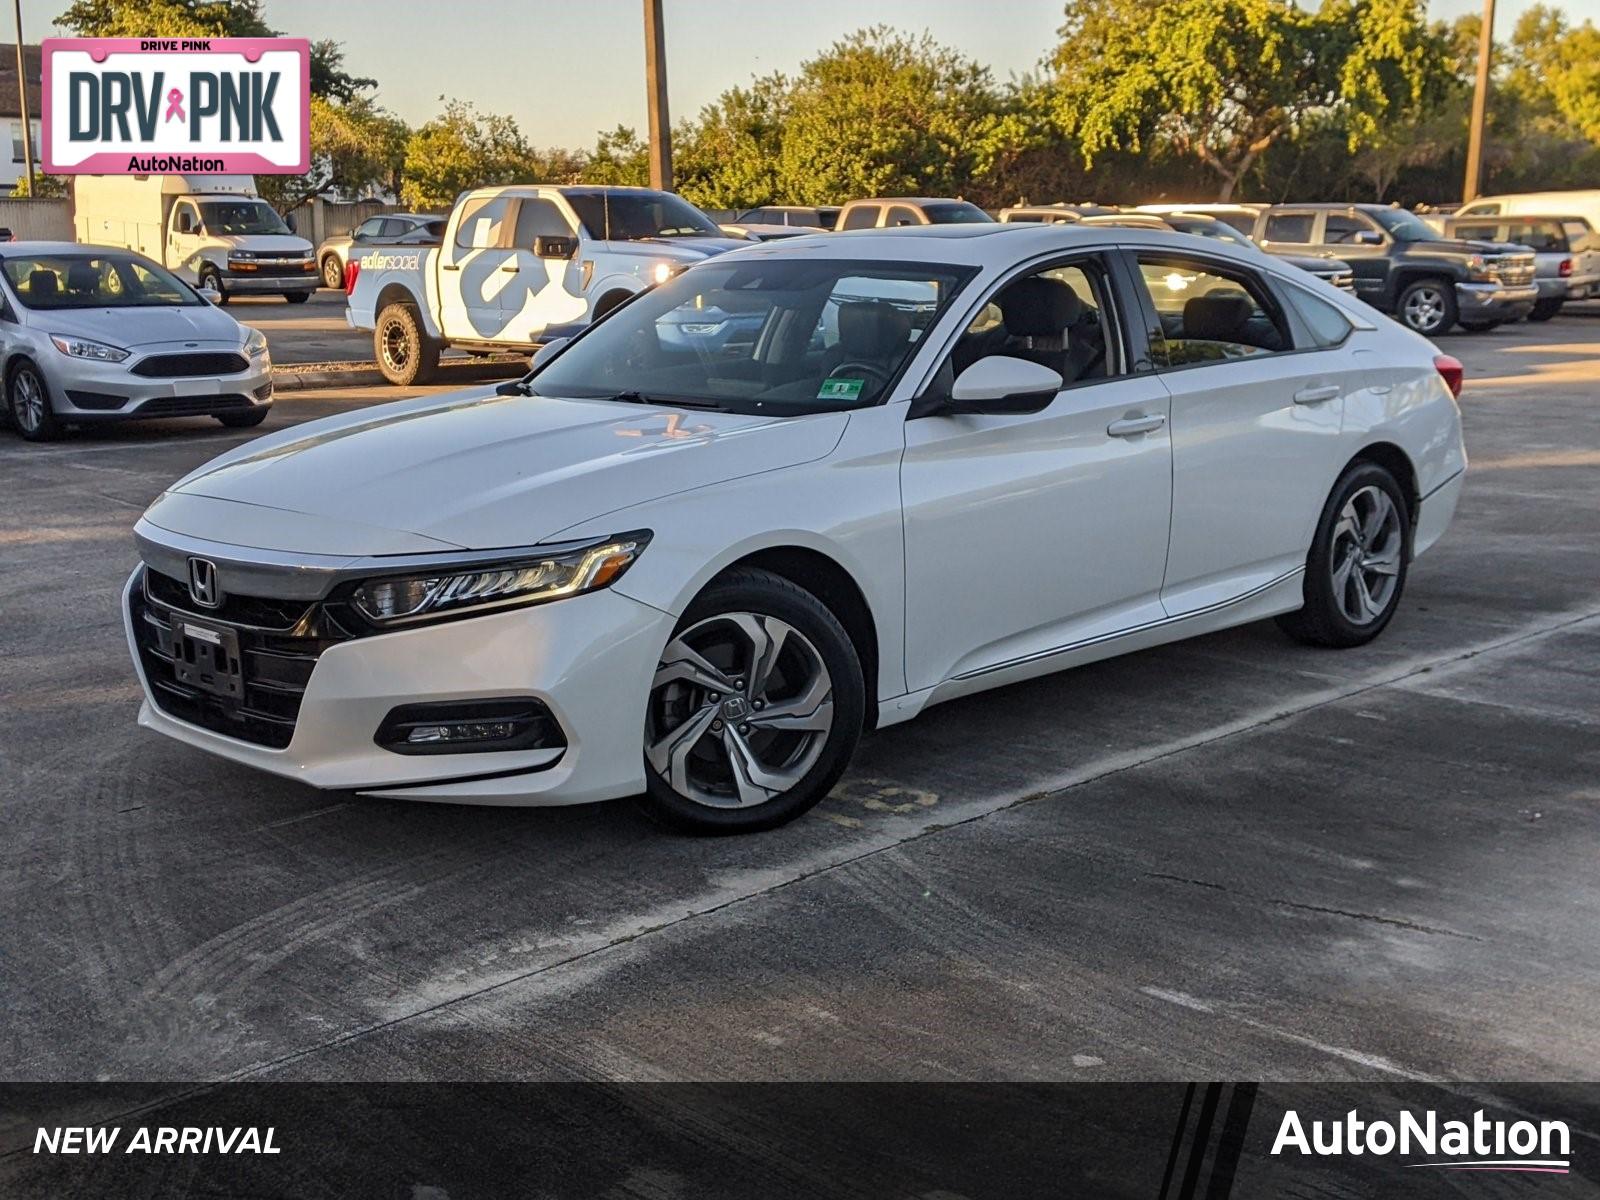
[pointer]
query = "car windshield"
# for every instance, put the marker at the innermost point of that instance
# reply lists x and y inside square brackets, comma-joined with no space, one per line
[955,212]
[56,281]
[1404,226]
[783,336]
[617,216]
[233,217]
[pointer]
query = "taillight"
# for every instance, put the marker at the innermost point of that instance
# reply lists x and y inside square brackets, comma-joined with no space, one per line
[1566,267]
[351,270]
[1451,371]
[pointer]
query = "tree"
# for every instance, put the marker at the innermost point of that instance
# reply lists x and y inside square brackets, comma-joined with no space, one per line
[461,149]
[166,18]
[728,157]
[619,159]
[355,147]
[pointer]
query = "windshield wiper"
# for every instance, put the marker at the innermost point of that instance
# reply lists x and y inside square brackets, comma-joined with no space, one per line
[662,401]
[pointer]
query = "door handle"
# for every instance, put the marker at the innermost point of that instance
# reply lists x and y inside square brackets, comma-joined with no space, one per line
[451,266]
[1131,426]
[1316,395]
[510,268]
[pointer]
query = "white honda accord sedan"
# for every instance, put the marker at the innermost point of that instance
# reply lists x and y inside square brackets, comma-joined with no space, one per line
[797,492]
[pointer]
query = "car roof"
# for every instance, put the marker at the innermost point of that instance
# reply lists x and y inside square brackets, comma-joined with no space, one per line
[41,247]
[910,200]
[988,245]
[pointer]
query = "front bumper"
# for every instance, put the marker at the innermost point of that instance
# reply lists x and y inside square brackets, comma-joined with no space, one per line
[590,659]
[265,282]
[83,391]
[1495,301]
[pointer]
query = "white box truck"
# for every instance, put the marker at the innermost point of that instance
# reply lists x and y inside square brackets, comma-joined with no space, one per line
[215,231]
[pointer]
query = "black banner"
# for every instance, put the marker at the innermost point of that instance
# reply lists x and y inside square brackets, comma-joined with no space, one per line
[920,1142]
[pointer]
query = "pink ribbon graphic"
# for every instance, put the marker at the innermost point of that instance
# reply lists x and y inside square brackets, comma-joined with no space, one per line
[175,105]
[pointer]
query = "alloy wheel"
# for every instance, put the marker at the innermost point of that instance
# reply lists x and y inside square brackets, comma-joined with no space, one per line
[396,347]
[740,710]
[27,405]
[1425,309]
[1366,549]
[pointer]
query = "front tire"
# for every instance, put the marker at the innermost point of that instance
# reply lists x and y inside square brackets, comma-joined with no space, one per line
[1359,559]
[28,402]
[1428,307]
[297,297]
[1543,310]
[243,420]
[332,273]
[755,709]
[405,352]
[211,278]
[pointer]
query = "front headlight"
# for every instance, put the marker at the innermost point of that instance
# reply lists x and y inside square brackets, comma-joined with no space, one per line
[243,255]
[530,579]
[256,344]
[77,347]
[664,271]
[1478,267]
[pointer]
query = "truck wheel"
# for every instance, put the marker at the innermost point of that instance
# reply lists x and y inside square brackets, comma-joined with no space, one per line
[297,297]
[1428,306]
[1543,310]
[332,273]
[210,277]
[406,354]
[608,302]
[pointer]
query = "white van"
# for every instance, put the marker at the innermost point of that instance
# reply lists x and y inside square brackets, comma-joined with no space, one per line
[214,231]
[1584,202]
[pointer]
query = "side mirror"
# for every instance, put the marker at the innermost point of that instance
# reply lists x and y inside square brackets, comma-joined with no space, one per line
[555,247]
[210,295]
[1001,386]
[1368,237]
[546,352]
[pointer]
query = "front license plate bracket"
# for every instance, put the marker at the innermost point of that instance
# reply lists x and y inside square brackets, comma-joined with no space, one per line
[207,657]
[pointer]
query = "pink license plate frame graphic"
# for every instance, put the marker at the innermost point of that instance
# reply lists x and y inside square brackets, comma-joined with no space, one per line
[228,162]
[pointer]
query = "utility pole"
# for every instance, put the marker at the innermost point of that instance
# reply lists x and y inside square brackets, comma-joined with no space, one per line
[1480,106]
[22,91]
[655,82]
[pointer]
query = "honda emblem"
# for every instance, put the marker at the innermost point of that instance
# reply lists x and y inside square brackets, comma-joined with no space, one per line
[203,589]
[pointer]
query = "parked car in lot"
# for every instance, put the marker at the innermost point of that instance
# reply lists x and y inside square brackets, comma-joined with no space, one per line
[819,216]
[213,231]
[385,229]
[91,334]
[1584,202]
[757,231]
[1330,270]
[520,265]
[701,576]
[1426,281]
[1566,254]
[1241,217]
[1052,214]
[890,212]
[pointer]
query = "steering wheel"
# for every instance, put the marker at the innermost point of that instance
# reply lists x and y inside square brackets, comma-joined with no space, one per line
[872,371]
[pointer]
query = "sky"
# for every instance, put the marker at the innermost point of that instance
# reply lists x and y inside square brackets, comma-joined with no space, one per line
[566,70]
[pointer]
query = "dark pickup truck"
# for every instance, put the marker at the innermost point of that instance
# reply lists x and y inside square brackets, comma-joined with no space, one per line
[1402,267]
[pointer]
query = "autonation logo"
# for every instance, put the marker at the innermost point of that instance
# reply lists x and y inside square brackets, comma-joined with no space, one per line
[1476,1145]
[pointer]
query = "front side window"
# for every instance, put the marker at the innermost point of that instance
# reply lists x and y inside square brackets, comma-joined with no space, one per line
[899,214]
[862,216]
[1058,318]
[1341,229]
[67,281]
[1208,314]
[368,228]
[1244,222]
[1290,228]
[234,218]
[537,219]
[779,336]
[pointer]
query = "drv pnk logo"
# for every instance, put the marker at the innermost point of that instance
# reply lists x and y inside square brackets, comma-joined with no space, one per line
[161,105]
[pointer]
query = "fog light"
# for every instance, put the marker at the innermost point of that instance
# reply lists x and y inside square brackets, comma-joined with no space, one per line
[470,727]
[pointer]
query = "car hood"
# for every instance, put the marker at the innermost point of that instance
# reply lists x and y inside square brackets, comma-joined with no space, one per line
[686,250]
[1457,246]
[269,243]
[478,470]
[138,327]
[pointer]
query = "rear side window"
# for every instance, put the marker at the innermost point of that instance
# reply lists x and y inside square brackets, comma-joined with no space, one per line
[482,222]
[1476,233]
[1208,314]
[1540,235]
[864,216]
[1289,227]
[1579,235]
[1488,209]
[1329,327]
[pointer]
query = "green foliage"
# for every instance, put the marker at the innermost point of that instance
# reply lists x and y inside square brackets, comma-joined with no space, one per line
[460,149]
[619,159]
[166,18]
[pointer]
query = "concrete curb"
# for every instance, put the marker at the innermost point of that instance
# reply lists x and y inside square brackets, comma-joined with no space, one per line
[293,377]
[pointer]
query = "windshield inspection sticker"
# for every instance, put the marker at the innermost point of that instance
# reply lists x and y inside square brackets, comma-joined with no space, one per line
[841,389]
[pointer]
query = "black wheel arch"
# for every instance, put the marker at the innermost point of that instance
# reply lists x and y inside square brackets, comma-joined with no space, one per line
[1398,463]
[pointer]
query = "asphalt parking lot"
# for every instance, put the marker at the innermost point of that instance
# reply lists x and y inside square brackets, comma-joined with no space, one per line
[1230,858]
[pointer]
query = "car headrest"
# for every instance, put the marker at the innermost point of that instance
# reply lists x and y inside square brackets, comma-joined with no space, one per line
[1217,316]
[82,277]
[872,329]
[42,282]
[1038,307]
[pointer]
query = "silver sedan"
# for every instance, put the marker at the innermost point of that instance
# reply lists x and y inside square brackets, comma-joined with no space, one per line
[91,334]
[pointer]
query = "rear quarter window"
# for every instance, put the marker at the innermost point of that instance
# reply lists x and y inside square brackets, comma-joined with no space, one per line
[1329,327]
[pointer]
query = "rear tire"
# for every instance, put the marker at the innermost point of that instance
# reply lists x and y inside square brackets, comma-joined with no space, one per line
[29,406]
[1356,570]
[1543,310]
[405,353]
[755,709]
[1428,306]
[243,420]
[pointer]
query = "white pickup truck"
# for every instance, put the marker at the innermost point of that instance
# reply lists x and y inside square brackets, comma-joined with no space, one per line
[519,266]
